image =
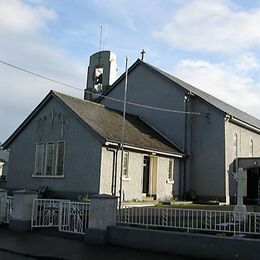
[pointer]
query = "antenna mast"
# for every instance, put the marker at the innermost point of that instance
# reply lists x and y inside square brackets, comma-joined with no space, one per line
[123,135]
[101,35]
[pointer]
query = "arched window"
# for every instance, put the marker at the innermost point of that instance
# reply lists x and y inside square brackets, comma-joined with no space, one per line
[235,146]
[251,145]
[235,151]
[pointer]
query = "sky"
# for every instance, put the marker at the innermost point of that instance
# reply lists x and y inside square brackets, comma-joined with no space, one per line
[213,45]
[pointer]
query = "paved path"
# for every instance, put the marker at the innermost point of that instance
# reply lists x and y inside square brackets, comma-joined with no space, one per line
[35,246]
[12,256]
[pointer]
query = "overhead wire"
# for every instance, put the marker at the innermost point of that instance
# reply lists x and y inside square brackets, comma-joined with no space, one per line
[97,94]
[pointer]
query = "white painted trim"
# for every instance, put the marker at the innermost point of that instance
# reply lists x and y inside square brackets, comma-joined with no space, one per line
[243,124]
[171,171]
[126,178]
[48,176]
[44,158]
[56,159]
[146,150]
[53,158]
[35,157]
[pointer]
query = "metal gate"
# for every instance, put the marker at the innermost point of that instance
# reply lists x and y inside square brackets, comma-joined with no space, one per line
[7,207]
[74,217]
[46,213]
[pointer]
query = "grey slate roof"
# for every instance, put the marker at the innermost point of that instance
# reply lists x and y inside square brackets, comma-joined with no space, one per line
[219,104]
[108,124]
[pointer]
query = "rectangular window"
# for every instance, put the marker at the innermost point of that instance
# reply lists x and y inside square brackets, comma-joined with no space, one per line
[1,169]
[170,170]
[39,159]
[49,161]
[125,164]
[60,153]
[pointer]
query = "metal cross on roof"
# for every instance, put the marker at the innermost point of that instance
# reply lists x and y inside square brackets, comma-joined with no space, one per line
[142,53]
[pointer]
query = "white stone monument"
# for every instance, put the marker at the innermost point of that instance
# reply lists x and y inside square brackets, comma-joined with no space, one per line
[240,208]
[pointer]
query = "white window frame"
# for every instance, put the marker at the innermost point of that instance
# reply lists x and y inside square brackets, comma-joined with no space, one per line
[170,171]
[53,159]
[126,168]
[56,159]
[36,159]
[1,169]
[44,158]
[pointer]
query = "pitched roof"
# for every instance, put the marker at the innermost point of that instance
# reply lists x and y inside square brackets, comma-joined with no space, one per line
[107,123]
[219,104]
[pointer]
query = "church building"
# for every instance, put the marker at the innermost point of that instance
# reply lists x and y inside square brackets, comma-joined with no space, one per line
[178,141]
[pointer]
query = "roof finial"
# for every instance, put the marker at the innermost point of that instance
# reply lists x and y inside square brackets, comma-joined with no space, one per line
[142,53]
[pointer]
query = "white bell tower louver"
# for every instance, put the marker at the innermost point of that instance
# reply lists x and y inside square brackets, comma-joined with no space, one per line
[102,73]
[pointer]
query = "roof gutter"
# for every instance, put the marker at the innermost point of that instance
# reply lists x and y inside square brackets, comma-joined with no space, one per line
[145,150]
[243,124]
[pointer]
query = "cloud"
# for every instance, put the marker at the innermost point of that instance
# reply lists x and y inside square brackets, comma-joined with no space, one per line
[212,26]
[19,17]
[25,46]
[235,87]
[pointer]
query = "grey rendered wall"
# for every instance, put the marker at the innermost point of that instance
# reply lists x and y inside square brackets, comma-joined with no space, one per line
[205,135]
[165,188]
[82,153]
[198,246]
[244,137]
[207,151]
[145,87]
[132,186]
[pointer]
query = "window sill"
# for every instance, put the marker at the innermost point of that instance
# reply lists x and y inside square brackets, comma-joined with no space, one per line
[48,176]
[170,181]
[126,178]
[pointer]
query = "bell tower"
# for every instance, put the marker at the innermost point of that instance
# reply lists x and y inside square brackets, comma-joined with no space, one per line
[102,73]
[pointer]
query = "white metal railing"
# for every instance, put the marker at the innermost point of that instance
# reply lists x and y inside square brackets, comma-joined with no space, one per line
[9,208]
[191,219]
[45,213]
[68,216]
[74,217]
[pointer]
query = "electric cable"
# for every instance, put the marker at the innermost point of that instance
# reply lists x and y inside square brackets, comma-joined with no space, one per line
[97,94]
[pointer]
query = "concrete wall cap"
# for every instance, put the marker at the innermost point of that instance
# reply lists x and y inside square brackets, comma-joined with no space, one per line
[104,196]
[25,192]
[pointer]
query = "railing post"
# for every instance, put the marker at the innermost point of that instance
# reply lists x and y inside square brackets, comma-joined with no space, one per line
[60,215]
[3,211]
[22,212]
[103,209]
